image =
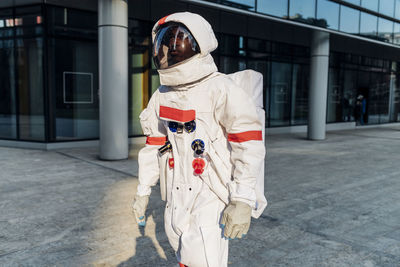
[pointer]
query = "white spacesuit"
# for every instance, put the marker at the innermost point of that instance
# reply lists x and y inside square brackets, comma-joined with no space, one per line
[204,143]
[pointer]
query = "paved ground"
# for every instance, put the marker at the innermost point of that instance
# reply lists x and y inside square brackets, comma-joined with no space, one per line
[332,203]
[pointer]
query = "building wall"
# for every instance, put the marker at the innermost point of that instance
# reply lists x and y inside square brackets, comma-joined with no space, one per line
[49,70]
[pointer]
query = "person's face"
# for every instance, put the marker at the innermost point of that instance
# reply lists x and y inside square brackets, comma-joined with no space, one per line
[173,44]
[180,47]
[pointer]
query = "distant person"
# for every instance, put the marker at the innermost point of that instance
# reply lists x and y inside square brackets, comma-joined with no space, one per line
[347,110]
[361,106]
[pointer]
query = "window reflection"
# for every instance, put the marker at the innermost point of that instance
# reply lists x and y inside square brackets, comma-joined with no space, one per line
[396,33]
[8,120]
[334,113]
[242,4]
[397,9]
[280,93]
[302,10]
[232,64]
[368,25]
[30,88]
[328,14]
[385,30]
[277,8]
[300,82]
[354,2]
[349,20]
[386,7]
[370,4]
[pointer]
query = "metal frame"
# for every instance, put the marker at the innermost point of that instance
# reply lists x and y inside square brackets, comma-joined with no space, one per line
[294,23]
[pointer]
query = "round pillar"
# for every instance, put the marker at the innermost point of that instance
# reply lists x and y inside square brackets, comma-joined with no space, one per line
[319,69]
[113,79]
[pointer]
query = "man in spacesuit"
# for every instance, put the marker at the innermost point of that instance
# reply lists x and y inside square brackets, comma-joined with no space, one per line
[204,143]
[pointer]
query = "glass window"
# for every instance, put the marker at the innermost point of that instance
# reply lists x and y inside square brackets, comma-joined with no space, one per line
[372,97]
[328,14]
[8,123]
[386,7]
[370,4]
[277,8]
[368,25]
[230,44]
[354,2]
[395,97]
[73,73]
[30,89]
[28,21]
[232,64]
[300,83]
[6,23]
[397,9]
[280,94]
[302,10]
[258,45]
[349,19]
[242,4]
[396,33]
[72,22]
[139,88]
[385,30]
[384,95]
[334,112]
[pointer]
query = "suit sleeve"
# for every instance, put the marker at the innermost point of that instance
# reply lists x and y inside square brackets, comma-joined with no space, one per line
[236,112]
[156,136]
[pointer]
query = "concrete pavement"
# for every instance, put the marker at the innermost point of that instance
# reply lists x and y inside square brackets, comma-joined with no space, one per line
[331,203]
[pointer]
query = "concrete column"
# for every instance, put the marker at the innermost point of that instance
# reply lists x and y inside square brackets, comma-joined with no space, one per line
[113,79]
[319,70]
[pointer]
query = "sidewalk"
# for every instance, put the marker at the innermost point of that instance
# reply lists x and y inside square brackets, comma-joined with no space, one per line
[331,203]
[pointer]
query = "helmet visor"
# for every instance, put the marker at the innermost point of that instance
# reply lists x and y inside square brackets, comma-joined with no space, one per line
[173,44]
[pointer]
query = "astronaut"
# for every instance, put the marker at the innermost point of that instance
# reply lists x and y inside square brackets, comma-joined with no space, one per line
[204,144]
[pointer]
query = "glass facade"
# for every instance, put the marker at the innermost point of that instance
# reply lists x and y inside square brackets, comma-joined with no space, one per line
[72,74]
[368,25]
[49,69]
[351,16]
[328,14]
[22,114]
[353,76]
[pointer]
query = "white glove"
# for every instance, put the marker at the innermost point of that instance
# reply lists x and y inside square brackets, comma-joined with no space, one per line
[236,219]
[139,206]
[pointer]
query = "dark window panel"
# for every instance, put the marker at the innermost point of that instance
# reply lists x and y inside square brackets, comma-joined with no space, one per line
[280,93]
[139,9]
[233,23]
[29,54]
[8,119]
[299,103]
[162,8]
[6,23]
[72,23]
[73,80]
